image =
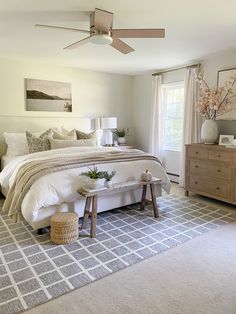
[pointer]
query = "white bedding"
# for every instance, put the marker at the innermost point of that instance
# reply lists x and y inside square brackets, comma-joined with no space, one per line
[61,187]
[5,160]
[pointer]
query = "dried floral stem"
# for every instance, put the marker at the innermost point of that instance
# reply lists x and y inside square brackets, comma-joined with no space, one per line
[216,101]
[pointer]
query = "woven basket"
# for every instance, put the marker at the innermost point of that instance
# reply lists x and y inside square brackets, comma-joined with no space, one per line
[64,228]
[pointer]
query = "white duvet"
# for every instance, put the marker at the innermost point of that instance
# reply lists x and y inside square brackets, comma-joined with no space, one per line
[61,187]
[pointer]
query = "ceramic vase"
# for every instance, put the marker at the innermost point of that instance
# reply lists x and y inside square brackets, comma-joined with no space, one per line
[209,132]
[108,183]
[121,140]
[95,183]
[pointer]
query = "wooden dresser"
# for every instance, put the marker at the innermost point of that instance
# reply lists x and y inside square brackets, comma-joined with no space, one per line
[211,171]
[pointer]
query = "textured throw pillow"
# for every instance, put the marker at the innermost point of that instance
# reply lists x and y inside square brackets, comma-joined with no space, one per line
[39,144]
[55,144]
[85,136]
[65,136]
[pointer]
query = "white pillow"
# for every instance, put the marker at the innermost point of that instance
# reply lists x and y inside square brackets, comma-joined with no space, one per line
[16,144]
[55,144]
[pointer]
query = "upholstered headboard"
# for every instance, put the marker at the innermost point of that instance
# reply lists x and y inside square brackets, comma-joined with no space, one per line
[19,124]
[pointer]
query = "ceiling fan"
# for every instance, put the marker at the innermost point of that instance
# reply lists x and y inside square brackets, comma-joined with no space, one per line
[102,33]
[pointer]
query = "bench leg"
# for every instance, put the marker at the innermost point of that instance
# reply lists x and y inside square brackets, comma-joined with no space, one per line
[143,200]
[93,217]
[154,201]
[86,211]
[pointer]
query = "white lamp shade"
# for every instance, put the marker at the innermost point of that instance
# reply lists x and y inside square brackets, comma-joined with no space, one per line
[97,124]
[109,123]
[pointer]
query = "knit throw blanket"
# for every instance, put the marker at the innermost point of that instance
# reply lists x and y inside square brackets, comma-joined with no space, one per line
[33,170]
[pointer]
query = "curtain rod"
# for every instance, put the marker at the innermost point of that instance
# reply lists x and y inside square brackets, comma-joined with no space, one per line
[175,69]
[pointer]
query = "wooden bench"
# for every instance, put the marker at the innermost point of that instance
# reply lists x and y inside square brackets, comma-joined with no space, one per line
[90,209]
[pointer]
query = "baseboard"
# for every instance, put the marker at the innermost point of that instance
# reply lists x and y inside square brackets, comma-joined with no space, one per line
[173,177]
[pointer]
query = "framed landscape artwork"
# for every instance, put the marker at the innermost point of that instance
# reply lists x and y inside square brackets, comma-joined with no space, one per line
[43,95]
[223,76]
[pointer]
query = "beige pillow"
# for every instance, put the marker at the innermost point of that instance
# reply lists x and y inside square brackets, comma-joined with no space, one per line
[65,136]
[39,144]
[55,144]
[84,136]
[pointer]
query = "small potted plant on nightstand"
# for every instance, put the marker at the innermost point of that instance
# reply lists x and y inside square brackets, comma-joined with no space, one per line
[121,135]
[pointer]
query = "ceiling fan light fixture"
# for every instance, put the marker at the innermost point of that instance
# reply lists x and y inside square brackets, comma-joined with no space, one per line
[101,39]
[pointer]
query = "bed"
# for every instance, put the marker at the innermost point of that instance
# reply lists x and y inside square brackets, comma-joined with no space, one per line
[56,190]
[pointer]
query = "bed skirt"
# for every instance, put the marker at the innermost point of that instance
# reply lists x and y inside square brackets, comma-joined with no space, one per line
[42,218]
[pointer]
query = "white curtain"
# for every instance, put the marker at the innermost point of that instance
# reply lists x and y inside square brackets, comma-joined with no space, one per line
[191,122]
[155,143]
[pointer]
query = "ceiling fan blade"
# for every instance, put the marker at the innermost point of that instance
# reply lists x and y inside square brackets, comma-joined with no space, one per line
[139,33]
[78,43]
[121,46]
[102,20]
[63,28]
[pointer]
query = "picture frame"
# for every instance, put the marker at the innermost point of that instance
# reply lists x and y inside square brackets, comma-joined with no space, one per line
[45,95]
[222,77]
[226,139]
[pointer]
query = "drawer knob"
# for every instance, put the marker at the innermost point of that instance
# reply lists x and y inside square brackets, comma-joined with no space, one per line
[218,170]
[196,153]
[196,166]
[218,188]
[195,182]
[219,156]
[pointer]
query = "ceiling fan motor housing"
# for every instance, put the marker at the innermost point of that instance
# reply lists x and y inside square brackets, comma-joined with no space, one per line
[99,31]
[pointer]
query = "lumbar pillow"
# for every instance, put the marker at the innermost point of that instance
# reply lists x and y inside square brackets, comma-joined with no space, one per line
[55,144]
[39,144]
[65,135]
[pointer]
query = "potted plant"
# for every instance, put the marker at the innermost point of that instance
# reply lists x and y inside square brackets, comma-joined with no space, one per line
[108,177]
[212,103]
[96,178]
[121,134]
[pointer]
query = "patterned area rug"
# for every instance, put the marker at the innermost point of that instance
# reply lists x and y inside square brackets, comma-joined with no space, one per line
[33,270]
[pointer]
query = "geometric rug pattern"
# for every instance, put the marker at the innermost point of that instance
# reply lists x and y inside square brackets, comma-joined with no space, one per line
[33,270]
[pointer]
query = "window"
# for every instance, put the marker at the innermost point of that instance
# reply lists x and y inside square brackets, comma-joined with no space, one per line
[173,107]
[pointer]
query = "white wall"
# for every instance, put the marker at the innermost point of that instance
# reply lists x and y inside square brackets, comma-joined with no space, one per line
[142,97]
[93,93]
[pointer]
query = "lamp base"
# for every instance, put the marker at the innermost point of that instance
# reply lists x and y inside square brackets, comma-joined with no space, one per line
[107,137]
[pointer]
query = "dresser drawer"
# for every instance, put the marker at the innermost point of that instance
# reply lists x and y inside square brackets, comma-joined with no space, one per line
[234,192]
[210,169]
[220,155]
[197,167]
[220,188]
[234,173]
[234,157]
[196,152]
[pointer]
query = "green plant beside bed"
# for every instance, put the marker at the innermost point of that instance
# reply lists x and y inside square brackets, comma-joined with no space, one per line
[108,176]
[93,173]
[121,132]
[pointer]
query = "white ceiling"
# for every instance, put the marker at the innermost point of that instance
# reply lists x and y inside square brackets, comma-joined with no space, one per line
[194,29]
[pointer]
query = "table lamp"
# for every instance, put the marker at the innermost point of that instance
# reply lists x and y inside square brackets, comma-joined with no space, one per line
[108,123]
